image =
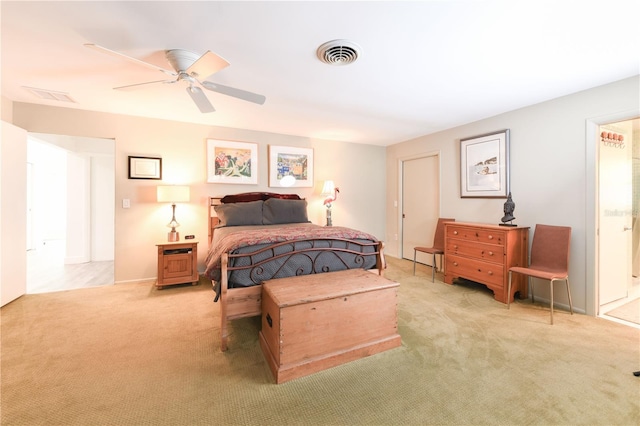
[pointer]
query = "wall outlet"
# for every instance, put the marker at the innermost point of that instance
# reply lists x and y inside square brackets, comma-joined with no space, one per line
[126,203]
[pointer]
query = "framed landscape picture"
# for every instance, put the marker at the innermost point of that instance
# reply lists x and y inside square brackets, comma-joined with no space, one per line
[484,166]
[232,162]
[290,166]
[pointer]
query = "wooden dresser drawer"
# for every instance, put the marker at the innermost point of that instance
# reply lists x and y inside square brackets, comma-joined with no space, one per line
[489,252]
[474,234]
[481,271]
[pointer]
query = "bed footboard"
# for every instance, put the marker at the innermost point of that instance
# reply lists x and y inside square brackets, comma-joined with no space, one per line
[244,302]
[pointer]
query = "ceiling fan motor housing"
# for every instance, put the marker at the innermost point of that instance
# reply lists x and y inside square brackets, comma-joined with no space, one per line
[180,59]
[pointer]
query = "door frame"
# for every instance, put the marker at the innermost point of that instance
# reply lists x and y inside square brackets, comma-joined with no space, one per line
[592,303]
[401,160]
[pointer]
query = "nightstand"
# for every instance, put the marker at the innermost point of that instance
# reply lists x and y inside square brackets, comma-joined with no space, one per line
[177,263]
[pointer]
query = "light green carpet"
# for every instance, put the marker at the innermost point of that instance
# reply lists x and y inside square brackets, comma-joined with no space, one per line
[133,355]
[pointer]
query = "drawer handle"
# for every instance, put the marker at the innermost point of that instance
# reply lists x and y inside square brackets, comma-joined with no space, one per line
[455,232]
[490,272]
[455,247]
[455,263]
[491,237]
[490,253]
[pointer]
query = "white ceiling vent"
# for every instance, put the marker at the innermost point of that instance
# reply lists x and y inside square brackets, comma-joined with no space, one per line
[338,52]
[50,94]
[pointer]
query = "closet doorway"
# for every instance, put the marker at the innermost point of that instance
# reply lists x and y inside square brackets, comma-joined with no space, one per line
[419,204]
[70,212]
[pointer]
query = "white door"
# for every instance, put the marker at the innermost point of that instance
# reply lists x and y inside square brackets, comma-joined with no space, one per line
[420,204]
[13,221]
[614,211]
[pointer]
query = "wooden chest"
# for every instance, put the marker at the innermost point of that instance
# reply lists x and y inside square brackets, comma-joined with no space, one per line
[314,322]
[484,253]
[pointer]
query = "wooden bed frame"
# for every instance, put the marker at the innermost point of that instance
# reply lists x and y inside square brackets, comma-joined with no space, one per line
[244,302]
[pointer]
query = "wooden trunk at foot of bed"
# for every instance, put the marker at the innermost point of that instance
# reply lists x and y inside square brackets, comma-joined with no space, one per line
[245,302]
[314,322]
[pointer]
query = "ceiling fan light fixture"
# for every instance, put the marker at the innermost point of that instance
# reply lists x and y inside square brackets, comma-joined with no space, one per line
[338,52]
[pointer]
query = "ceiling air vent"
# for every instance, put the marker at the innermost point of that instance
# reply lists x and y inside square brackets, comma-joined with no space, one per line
[50,94]
[338,52]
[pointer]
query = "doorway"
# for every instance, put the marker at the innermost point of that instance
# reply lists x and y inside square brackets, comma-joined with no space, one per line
[420,203]
[618,248]
[70,212]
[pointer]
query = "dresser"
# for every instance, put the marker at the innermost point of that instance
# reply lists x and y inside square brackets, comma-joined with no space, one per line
[484,253]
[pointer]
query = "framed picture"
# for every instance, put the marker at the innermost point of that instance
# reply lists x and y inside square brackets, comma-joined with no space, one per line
[145,168]
[484,166]
[290,166]
[232,162]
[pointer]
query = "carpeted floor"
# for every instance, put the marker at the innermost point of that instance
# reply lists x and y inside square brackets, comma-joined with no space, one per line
[132,355]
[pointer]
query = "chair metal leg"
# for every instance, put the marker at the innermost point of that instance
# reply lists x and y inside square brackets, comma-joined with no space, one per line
[509,292]
[433,269]
[569,293]
[551,292]
[415,252]
[531,287]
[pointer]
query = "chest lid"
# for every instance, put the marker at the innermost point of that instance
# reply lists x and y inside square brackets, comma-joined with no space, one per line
[330,285]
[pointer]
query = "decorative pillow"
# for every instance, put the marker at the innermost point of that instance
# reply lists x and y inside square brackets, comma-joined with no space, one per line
[277,210]
[238,214]
[254,196]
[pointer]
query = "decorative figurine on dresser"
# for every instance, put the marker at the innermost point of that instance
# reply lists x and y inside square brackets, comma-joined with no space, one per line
[509,207]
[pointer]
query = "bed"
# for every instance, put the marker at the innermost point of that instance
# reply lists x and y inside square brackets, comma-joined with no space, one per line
[258,236]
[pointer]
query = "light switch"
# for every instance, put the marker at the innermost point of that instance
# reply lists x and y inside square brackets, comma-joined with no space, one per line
[126,203]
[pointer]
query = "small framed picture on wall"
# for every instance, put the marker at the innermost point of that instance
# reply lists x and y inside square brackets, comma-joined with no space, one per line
[145,168]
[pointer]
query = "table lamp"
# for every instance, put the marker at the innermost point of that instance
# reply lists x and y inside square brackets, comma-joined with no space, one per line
[173,194]
[329,189]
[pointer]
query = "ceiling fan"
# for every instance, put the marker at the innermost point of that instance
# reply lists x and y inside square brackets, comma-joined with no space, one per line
[193,70]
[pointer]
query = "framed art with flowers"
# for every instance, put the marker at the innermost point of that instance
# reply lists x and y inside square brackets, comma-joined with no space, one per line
[232,162]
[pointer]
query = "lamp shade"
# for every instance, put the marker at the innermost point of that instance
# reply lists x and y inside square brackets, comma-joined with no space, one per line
[328,188]
[173,194]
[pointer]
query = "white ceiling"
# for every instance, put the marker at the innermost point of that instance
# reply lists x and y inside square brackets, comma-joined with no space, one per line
[425,66]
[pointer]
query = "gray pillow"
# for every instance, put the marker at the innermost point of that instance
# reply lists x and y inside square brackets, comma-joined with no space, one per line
[239,214]
[278,210]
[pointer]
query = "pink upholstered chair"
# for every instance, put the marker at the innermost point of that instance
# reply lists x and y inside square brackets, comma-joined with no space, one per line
[437,248]
[549,259]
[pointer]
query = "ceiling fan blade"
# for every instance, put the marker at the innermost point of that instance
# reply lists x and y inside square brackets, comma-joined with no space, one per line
[131,86]
[128,58]
[236,93]
[200,99]
[206,65]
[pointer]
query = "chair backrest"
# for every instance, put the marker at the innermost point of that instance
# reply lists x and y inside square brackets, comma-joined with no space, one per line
[550,248]
[438,238]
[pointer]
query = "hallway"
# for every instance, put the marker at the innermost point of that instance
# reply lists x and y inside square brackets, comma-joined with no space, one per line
[46,271]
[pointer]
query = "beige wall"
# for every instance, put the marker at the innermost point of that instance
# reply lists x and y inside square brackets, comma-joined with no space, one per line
[357,169]
[552,172]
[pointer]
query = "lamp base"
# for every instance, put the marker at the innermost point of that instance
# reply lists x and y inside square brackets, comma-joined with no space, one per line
[173,236]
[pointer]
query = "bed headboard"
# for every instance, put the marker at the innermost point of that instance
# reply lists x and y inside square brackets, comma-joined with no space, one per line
[241,198]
